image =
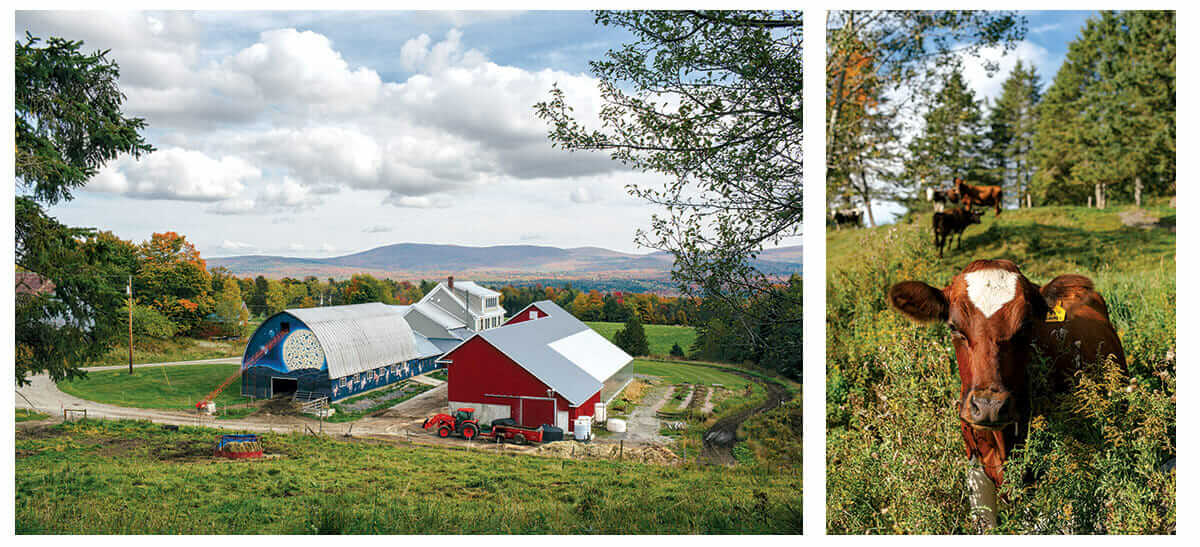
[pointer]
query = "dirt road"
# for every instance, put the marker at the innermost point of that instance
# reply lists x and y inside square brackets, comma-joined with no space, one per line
[720,438]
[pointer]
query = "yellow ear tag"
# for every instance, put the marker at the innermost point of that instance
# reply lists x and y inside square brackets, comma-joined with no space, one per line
[1056,315]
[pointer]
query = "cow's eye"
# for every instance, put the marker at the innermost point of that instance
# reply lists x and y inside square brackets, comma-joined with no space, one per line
[955,331]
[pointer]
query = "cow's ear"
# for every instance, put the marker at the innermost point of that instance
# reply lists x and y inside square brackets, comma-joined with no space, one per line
[919,301]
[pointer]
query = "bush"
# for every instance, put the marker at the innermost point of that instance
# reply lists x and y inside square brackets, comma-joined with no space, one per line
[676,351]
[150,322]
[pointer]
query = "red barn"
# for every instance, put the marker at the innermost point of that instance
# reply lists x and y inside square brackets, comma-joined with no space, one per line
[543,366]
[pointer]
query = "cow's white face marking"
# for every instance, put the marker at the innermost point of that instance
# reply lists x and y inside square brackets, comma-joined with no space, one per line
[929,194]
[990,290]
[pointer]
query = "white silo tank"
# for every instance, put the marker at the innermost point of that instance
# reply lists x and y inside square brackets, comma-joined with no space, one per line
[615,425]
[601,413]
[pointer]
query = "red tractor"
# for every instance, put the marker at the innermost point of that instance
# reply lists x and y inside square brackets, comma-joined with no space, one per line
[463,423]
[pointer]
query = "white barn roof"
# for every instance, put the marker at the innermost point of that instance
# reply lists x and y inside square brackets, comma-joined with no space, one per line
[361,337]
[474,288]
[559,350]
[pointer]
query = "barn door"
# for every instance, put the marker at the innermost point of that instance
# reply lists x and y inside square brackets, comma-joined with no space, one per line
[562,421]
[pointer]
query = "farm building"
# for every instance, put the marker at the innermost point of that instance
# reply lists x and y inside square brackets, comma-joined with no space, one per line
[451,312]
[543,366]
[335,351]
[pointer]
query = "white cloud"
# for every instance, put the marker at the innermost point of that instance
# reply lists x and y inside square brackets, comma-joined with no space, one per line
[377,229]
[582,195]
[176,173]
[423,202]
[235,245]
[418,56]
[976,75]
[289,65]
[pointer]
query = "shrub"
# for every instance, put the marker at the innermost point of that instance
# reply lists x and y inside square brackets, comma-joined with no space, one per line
[150,322]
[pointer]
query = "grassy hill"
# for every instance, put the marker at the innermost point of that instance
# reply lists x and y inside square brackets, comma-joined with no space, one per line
[137,478]
[895,454]
[660,337]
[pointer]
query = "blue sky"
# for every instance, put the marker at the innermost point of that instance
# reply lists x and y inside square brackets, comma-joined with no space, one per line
[326,133]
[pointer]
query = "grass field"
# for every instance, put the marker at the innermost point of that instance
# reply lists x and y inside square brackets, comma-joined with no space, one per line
[153,350]
[26,415]
[178,387]
[894,451]
[659,337]
[136,478]
[683,373]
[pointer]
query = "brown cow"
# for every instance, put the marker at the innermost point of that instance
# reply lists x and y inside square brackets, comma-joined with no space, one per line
[950,223]
[979,195]
[998,320]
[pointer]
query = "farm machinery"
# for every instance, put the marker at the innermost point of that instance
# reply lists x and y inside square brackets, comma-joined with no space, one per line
[463,423]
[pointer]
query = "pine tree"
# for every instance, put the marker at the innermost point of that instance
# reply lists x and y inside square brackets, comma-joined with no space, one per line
[952,143]
[1012,122]
[632,338]
[1107,122]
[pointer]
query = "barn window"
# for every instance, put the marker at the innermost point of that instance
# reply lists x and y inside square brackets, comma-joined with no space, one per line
[533,314]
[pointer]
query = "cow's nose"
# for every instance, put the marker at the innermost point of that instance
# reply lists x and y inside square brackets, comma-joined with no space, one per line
[989,407]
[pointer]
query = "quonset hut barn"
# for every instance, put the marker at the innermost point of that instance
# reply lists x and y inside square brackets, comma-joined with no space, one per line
[335,352]
[543,366]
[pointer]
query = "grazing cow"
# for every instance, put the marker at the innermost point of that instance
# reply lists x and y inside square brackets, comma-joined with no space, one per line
[950,223]
[852,217]
[941,197]
[979,195]
[998,319]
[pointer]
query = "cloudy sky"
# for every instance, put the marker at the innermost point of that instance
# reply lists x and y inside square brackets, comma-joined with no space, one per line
[1044,46]
[318,134]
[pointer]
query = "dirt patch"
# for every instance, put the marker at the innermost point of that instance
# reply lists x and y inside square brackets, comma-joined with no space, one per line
[656,454]
[36,431]
[1138,218]
[279,406]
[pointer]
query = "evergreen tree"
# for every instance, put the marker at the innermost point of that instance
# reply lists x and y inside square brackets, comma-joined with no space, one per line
[68,125]
[1012,123]
[676,351]
[952,143]
[632,338]
[1107,122]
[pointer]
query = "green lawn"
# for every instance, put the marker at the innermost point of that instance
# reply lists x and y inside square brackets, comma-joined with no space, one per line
[660,337]
[149,388]
[893,439]
[682,373]
[69,479]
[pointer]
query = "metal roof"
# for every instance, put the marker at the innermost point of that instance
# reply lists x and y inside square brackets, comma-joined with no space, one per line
[559,350]
[436,314]
[475,289]
[361,337]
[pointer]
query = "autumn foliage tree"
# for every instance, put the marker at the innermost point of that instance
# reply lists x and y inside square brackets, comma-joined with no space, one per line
[173,279]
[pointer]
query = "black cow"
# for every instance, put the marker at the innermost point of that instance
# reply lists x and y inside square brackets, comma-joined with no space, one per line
[949,223]
[851,217]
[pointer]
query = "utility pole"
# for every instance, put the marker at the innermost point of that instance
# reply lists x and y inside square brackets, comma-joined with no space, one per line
[129,293]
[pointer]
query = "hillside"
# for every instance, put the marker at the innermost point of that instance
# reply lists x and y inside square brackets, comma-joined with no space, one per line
[501,262]
[895,453]
[71,476]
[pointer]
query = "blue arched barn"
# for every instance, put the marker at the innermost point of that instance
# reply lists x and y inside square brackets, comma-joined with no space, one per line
[335,351]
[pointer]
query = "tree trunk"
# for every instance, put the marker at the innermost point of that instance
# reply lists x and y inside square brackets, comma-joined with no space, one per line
[866,195]
[1028,201]
[1137,190]
[1099,196]
[1089,202]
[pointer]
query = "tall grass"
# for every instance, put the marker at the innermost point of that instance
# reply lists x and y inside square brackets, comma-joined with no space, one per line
[134,477]
[895,456]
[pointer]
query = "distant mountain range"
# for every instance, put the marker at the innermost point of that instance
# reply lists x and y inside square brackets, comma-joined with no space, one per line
[501,262]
